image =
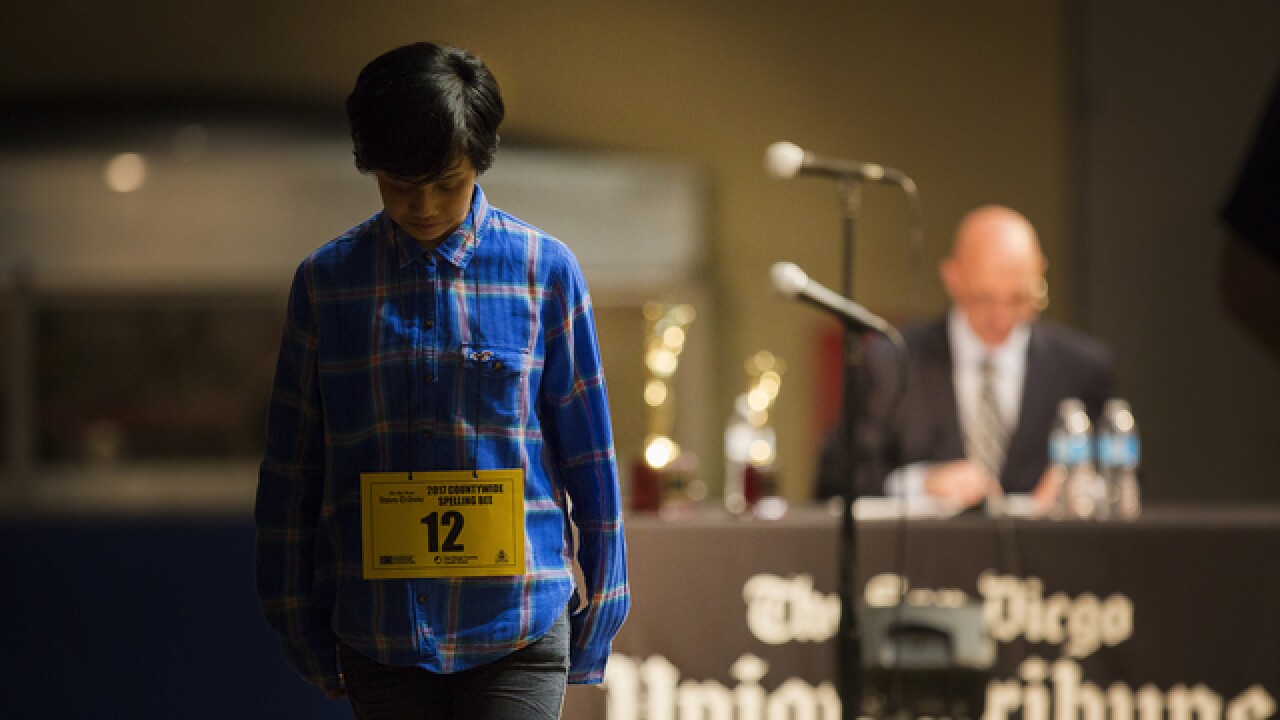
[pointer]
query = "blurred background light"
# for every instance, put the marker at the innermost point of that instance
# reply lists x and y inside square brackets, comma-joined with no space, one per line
[125,172]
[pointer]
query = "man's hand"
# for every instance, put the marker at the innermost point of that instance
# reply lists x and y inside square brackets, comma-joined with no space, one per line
[1046,490]
[963,483]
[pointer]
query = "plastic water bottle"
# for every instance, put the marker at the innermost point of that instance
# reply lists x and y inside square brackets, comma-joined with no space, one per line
[750,455]
[1119,450]
[1079,489]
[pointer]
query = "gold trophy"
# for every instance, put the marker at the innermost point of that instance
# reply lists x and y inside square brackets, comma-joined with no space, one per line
[751,444]
[661,479]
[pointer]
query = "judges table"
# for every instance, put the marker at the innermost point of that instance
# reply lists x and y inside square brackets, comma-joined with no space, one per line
[1174,615]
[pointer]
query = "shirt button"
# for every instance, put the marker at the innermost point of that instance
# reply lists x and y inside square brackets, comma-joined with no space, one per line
[430,323]
[428,378]
[422,599]
[426,434]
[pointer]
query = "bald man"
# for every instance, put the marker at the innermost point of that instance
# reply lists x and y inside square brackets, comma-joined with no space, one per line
[984,381]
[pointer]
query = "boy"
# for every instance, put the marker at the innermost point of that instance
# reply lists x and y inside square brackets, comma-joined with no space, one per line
[439,419]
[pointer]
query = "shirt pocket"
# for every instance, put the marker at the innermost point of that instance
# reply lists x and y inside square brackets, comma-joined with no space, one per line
[495,388]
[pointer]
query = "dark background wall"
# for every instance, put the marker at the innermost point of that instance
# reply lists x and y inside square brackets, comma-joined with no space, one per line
[972,100]
[1169,101]
[1117,127]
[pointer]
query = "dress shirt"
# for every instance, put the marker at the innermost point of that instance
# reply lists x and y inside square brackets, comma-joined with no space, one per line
[967,354]
[479,354]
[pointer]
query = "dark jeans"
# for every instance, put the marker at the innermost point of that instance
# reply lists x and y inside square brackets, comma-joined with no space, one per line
[528,683]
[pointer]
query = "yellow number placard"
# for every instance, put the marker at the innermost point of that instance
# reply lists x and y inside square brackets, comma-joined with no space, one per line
[453,523]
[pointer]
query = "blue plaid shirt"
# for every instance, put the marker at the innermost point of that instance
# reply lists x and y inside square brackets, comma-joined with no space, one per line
[479,354]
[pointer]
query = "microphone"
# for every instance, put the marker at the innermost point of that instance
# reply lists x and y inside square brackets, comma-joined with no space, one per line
[792,282]
[786,160]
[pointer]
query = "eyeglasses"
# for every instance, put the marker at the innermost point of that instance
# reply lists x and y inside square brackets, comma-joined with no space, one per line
[1036,298]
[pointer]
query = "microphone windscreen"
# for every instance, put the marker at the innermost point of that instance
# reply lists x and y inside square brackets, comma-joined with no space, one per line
[788,279]
[783,159]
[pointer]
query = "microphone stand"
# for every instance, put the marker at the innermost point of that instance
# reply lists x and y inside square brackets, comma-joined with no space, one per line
[848,638]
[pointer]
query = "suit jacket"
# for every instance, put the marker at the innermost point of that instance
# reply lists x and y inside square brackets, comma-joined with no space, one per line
[1061,363]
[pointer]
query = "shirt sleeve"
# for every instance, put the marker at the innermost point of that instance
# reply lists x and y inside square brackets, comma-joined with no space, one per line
[290,487]
[577,406]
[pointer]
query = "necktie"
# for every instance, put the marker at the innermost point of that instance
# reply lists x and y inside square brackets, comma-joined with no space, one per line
[989,434]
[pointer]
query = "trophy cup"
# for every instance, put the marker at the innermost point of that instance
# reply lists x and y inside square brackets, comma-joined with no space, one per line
[663,478]
[751,444]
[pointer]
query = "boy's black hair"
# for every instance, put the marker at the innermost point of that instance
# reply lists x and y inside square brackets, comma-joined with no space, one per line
[417,109]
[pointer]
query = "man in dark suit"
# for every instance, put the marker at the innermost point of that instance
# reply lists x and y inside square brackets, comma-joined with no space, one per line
[983,382]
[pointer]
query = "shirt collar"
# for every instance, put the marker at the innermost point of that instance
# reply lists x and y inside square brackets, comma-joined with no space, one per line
[457,249]
[967,350]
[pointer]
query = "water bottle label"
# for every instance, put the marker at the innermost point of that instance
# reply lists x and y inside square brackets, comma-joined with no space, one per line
[1132,450]
[1067,449]
[1119,451]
